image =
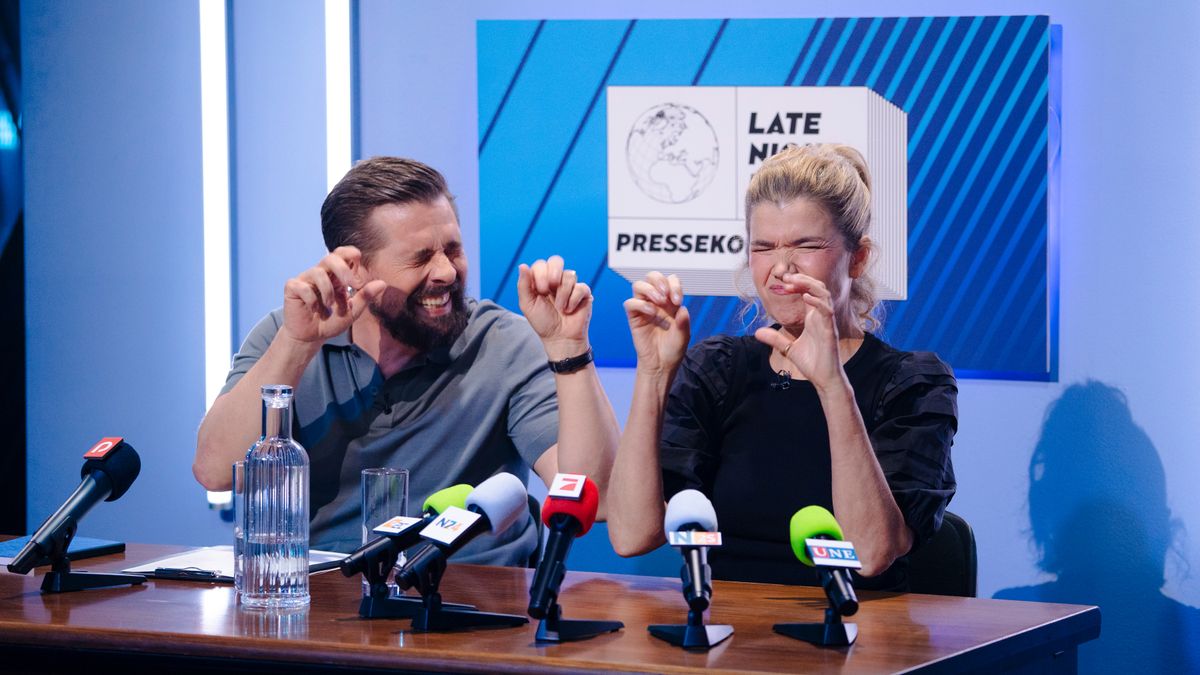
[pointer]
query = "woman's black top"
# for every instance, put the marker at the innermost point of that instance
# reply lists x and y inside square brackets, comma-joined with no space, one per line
[756,443]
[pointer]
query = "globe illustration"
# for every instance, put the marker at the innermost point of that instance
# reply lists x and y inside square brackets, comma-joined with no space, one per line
[672,153]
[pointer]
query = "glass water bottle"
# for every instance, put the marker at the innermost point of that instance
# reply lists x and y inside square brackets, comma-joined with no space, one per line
[276,563]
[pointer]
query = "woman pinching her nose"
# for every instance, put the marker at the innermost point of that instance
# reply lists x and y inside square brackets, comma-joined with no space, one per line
[811,409]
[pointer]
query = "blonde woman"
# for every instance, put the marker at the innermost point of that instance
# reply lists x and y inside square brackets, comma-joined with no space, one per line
[812,409]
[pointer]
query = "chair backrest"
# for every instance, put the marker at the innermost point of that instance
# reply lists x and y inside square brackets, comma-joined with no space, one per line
[948,564]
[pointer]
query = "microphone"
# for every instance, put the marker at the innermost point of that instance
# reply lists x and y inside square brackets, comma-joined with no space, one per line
[816,522]
[691,526]
[408,533]
[494,506]
[566,519]
[690,511]
[111,467]
[783,381]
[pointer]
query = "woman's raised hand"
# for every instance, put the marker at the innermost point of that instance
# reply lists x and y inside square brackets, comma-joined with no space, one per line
[660,324]
[815,350]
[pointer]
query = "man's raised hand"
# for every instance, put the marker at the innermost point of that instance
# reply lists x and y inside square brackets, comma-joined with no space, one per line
[323,301]
[557,305]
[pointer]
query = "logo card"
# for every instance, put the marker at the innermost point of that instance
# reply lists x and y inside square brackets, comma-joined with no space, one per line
[450,525]
[694,538]
[396,525]
[829,553]
[103,447]
[680,160]
[567,486]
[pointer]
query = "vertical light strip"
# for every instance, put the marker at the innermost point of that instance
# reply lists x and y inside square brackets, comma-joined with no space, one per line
[214,133]
[214,140]
[338,134]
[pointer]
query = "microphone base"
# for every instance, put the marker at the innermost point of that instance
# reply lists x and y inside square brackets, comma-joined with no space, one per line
[396,608]
[570,630]
[434,617]
[554,628]
[832,633]
[691,636]
[66,582]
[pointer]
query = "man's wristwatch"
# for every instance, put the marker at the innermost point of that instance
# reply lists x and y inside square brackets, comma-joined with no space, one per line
[572,364]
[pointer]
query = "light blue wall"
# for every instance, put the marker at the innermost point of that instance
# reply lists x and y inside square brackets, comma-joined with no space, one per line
[113,271]
[278,150]
[114,276]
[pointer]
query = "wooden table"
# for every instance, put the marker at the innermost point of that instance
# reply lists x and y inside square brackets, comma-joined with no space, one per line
[196,626]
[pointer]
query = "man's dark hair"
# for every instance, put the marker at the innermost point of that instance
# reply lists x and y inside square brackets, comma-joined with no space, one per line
[372,183]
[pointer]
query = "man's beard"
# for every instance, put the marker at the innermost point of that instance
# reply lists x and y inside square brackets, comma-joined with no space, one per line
[408,327]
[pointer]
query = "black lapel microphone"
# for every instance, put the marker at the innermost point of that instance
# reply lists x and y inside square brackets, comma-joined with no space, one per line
[783,381]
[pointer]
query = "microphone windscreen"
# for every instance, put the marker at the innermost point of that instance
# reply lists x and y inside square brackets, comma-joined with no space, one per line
[502,498]
[811,522]
[121,464]
[690,507]
[582,509]
[455,495]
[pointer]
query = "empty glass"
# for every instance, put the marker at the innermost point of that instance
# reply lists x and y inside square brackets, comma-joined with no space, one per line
[384,496]
[239,526]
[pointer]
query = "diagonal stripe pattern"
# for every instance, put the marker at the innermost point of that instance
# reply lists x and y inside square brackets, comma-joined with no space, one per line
[974,88]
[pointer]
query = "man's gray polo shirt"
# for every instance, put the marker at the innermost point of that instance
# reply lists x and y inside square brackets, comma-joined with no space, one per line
[455,415]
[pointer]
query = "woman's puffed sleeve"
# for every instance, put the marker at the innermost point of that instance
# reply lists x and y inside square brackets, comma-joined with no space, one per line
[917,417]
[691,423]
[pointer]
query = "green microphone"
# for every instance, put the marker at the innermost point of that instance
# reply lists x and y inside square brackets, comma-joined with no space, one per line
[455,495]
[812,522]
[816,522]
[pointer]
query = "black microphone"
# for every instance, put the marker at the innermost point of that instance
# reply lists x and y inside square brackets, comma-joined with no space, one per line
[111,467]
[500,501]
[690,510]
[374,550]
[566,519]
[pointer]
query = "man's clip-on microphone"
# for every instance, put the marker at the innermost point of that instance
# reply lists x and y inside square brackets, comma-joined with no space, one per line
[691,527]
[569,512]
[494,506]
[110,468]
[817,541]
[375,559]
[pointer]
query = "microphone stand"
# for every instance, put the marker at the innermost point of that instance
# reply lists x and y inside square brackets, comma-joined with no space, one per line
[433,616]
[554,628]
[546,583]
[378,603]
[694,635]
[831,633]
[60,578]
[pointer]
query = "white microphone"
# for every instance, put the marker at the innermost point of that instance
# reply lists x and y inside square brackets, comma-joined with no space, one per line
[492,507]
[690,511]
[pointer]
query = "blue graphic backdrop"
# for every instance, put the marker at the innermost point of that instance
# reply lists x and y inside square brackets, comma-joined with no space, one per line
[976,89]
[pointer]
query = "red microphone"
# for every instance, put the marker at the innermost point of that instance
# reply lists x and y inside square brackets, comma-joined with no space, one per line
[569,512]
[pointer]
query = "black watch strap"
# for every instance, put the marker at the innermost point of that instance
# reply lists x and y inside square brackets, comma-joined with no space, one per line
[572,364]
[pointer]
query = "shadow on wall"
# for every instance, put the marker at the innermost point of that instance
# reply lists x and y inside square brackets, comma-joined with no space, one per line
[1100,520]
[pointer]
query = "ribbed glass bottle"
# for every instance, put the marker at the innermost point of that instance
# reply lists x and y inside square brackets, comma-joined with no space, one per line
[276,564]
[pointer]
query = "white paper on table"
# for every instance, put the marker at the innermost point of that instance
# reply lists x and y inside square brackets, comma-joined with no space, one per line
[215,559]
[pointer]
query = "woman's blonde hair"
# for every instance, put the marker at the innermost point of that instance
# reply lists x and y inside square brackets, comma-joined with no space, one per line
[836,177]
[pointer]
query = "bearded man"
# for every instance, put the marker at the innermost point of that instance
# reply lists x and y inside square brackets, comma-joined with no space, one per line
[393,366]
